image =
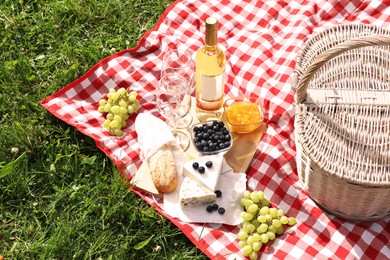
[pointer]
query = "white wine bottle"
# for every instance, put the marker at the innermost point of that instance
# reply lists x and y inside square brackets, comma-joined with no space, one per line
[210,75]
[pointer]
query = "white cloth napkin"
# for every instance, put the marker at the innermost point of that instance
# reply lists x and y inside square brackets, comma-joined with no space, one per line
[231,184]
[152,134]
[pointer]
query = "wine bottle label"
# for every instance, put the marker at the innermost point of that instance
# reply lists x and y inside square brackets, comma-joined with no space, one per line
[212,87]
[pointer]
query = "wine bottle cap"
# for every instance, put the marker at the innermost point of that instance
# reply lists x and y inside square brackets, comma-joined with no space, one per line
[211,31]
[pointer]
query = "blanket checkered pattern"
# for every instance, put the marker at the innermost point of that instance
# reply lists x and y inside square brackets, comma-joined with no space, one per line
[261,40]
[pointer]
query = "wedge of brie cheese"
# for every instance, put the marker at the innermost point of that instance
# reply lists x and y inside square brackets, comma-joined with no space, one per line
[209,178]
[192,194]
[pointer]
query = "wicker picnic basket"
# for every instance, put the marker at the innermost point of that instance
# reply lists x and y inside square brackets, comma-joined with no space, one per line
[342,124]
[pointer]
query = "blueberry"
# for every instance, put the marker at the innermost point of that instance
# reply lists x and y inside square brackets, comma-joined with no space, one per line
[196,129]
[195,165]
[221,146]
[215,206]
[206,136]
[206,149]
[221,124]
[218,193]
[209,208]
[201,169]
[209,164]
[215,123]
[221,210]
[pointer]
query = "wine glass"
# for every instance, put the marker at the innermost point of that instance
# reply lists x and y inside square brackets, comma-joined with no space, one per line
[177,61]
[173,103]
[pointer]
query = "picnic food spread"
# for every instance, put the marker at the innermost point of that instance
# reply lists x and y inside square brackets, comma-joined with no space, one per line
[262,46]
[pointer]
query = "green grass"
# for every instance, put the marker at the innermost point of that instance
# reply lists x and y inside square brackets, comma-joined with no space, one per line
[61,197]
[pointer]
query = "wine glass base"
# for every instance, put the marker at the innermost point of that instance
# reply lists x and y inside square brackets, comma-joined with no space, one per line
[182,140]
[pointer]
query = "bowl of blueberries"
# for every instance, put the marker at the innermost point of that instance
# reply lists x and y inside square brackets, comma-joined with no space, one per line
[211,137]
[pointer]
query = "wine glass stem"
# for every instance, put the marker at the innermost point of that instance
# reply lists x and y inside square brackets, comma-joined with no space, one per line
[173,124]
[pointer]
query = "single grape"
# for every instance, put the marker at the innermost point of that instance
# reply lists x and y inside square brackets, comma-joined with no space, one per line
[102,102]
[247,194]
[107,107]
[110,116]
[252,209]
[114,123]
[106,124]
[256,237]
[123,103]
[115,109]
[115,96]
[123,123]
[125,117]
[246,250]
[248,202]
[136,105]
[292,221]
[253,255]
[264,238]
[276,223]
[246,216]
[264,211]
[261,195]
[257,246]
[262,219]
[270,235]
[122,110]
[118,118]
[130,109]
[273,212]
[265,202]
[118,132]
[255,196]
[256,223]
[268,217]
[121,91]
[242,202]
[272,229]
[109,96]
[242,234]
[101,109]
[242,243]
[250,240]
[112,90]
[280,213]
[279,230]
[284,220]
[248,227]
[262,228]
[132,97]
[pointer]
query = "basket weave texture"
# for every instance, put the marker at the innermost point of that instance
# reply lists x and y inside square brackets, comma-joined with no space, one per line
[342,123]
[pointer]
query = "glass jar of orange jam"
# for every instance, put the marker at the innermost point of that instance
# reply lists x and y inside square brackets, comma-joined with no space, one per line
[243,114]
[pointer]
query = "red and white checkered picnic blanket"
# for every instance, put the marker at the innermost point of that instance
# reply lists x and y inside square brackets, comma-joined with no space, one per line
[261,40]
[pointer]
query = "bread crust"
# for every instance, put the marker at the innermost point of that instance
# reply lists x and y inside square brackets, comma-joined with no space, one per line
[163,169]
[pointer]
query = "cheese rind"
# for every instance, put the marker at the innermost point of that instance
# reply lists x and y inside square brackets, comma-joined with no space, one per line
[211,176]
[192,194]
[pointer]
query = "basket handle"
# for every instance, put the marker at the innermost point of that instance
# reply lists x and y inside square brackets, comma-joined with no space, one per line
[301,88]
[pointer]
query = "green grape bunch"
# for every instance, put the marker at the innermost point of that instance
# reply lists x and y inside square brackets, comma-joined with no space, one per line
[118,106]
[261,223]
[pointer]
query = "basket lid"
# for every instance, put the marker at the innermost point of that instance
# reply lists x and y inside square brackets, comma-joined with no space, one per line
[343,102]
